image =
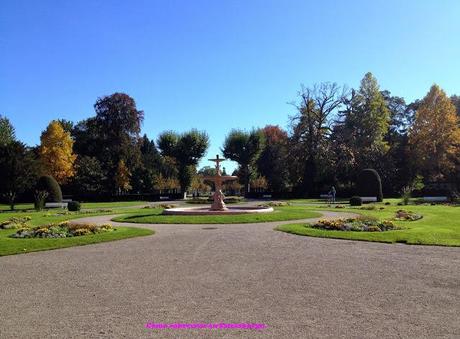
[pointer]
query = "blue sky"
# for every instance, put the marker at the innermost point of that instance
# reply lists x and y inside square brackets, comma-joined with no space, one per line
[214,65]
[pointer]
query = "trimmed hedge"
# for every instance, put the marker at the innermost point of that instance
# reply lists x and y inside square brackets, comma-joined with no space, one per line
[49,184]
[369,184]
[73,206]
[356,201]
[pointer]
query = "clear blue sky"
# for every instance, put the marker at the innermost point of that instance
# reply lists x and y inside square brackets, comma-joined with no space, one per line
[214,65]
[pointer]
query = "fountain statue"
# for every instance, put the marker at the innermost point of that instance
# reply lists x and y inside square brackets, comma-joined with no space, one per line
[218,179]
[218,206]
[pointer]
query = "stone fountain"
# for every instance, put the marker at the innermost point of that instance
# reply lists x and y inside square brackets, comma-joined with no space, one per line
[218,205]
[218,179]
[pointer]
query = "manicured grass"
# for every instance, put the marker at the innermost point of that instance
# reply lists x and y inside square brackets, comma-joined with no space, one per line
[440,225]
[116,204]
[153,216]
[84,205]
[14,246]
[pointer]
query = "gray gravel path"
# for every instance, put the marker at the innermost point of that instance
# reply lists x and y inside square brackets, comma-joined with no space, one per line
[300,287]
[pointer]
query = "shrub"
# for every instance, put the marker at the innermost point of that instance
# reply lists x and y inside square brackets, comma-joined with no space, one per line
[39,199]
[356,201]
[74,206]
[369,184]
[48,184]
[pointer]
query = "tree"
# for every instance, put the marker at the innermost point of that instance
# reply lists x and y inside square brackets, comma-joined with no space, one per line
[56,152]
[434,138]
[122,178]
[366,121]
[143,176]
[310,131]
[456,101]
[272,163]
[7,133]
[244,148]
[112,135]
[89,177]
[186,149]
[18,170]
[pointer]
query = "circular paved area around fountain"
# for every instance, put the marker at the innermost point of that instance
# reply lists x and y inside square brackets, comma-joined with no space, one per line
[300,287]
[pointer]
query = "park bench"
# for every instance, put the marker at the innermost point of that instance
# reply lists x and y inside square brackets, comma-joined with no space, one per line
[435,199]
[267,196]
[164,198]
[369,199]
[56,205]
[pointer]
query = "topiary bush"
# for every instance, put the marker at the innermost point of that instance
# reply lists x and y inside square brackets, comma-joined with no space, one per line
[369,184]
[73,206]
[356,201]
[50,185]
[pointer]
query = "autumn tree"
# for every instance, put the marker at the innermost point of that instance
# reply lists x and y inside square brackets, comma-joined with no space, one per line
[244,148]
[186,149]
[122,178]
[434,138]
[7,133]
[56,152]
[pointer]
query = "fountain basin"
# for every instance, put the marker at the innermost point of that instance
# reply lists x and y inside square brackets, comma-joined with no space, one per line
[208,211]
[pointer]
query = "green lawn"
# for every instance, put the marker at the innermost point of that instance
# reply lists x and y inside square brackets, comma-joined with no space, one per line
[153,216]
[440,225]
[14,246]
[84,205]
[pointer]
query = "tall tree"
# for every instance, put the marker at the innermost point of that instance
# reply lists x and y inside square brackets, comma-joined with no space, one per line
[272,163]
[244,148]
[434,138]
[456,101]
[367,120]
[56,152]
[112,135]
[143,177]
[310,131]
[186,149]
[18,170]
[7,133]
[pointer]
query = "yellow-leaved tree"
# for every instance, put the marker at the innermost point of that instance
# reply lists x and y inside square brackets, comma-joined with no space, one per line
[434,137]
[122,177]
[56,152]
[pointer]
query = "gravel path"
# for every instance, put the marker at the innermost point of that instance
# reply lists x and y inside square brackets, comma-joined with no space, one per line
[300,287]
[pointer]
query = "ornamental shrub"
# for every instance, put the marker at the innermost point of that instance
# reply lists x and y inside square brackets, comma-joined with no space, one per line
[73,206]
[356,201]
[369,184]
[50,185]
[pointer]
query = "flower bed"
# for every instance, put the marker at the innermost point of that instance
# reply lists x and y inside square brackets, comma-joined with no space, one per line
[15,222]
[360,224]
[403,215]
[61,230]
